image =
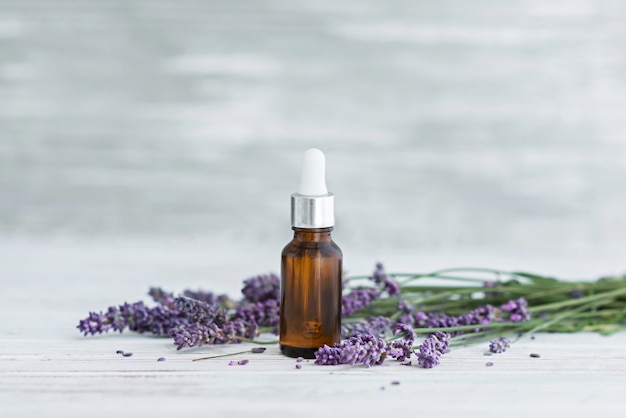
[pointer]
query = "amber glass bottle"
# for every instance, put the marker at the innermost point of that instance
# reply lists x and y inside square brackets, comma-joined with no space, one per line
[310,293]
[310,300]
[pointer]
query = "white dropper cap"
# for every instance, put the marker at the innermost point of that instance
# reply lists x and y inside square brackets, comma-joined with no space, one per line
[313,180]
[313,206]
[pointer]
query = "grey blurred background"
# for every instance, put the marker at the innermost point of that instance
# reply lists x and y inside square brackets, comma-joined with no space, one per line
[167,135]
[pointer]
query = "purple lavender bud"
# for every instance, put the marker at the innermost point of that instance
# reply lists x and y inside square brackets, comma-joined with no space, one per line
[261,288]
[258,350]
[358,299]
[198,311]
[161,359]
[381,278]
[208,297]
[327,356]
[265,313]
[489,364]
[298,366]
[195,334]
[376,325]
[576,294]
[367,349]
[480,316]
[135,317]
[243,362]
[499,346]
[406,313]
[161,296]
[441,342]
[363,349]
[127,354]
[299,360]
[432,349]
[517,310]
[402,349]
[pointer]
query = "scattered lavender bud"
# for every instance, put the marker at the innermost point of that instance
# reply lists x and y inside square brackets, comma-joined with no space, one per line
[395,382]
[532,337]
[243,362]
[232,363]
[127,354]
[161,359]
[406,363]
[382,388]
[258,350]
[298,366]
[299,360]
[120,352]
[487,353]
[499,346]
[489,364]
[534,355]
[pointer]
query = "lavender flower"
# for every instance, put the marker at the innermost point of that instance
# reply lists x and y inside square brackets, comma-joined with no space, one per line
[358,299]
[261,288]
[378,326]
[162,297]
[380,277]
[136,317]
[363,349]
[480,316]
[261,303]
[265,313]
[517,310]
[432,349]
[499,346]
[406,313]
[208,297]
[208,324]
[198,311]
[401,349]
[328,356]
[195,335]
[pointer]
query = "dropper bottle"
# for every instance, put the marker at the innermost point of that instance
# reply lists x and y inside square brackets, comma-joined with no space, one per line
[310,301]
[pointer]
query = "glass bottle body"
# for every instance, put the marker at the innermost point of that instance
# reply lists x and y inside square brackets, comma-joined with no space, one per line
[310,302]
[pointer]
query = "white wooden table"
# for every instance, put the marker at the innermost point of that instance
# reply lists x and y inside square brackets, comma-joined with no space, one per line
[48,369]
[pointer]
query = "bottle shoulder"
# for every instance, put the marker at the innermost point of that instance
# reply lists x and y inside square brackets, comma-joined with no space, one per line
[323,248]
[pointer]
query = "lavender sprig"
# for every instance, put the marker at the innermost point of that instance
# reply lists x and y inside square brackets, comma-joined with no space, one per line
[135,317]
[499,345]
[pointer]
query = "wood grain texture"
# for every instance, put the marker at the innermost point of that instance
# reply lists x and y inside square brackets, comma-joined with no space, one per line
[48,369]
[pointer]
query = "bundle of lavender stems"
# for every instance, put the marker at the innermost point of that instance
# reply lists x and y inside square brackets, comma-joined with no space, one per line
[387,316]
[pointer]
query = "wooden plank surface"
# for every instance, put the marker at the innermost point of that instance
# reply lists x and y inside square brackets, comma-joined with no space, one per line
[47,368]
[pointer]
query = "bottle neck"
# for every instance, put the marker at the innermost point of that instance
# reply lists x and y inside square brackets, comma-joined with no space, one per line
[312,234]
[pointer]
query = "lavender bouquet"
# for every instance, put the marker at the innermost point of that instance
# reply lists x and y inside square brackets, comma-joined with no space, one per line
[388,316]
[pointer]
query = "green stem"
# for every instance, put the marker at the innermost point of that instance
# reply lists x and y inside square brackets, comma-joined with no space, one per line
[221,355]
[574,302]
